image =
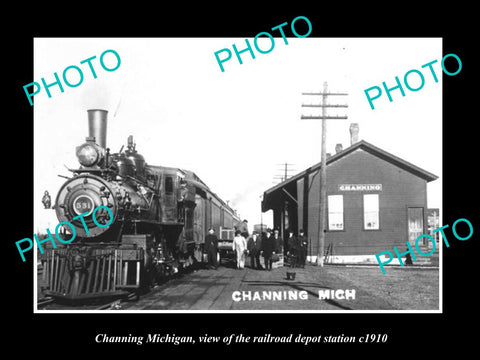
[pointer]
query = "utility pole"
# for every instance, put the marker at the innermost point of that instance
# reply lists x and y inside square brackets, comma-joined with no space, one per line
[323,180]
[285,170]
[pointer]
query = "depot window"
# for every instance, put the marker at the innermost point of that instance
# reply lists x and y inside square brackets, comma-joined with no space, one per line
[335,212]
[168,185]
[370,212]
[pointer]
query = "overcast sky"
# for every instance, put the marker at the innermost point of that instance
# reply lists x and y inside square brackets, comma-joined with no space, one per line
[232,128]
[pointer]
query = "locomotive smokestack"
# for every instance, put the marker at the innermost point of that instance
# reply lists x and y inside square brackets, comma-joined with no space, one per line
[97,126]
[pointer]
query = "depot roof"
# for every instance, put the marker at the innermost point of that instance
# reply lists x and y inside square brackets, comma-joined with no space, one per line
[363,145]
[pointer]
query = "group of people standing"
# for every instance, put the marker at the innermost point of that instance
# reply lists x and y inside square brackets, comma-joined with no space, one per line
[265,244]
[297,249]
[269,245]
[256,245]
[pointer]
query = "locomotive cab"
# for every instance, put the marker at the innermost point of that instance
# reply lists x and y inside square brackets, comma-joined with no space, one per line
[175,194]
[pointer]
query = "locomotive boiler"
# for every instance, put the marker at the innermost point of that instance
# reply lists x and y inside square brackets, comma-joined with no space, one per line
[151,222]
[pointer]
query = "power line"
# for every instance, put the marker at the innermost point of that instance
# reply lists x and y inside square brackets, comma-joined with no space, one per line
[285,169]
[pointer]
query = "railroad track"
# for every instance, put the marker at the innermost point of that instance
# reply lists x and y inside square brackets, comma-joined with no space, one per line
[41,303]
[48,303]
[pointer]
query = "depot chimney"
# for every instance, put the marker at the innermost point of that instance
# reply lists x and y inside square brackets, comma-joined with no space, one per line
[338,148]
[97,126]
[354,129]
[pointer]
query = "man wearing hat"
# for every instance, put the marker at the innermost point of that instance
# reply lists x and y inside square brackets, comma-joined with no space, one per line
[240,245]
[278,242]
[293,248]
[268,248]
[302,248]
[211,248]
[254,247]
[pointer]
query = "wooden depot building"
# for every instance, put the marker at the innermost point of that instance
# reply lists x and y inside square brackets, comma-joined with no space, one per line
[375,200]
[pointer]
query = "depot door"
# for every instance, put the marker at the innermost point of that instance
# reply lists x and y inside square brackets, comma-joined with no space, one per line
[415,224]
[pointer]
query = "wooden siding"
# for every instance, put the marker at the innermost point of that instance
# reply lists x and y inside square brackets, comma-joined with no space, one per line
[400,190]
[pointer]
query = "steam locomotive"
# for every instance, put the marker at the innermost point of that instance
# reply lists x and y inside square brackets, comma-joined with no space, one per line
[158,220]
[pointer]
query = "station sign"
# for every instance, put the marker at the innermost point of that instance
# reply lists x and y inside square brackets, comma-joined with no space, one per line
[360,187]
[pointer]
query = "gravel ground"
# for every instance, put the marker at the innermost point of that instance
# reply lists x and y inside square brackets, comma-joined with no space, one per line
[409,288]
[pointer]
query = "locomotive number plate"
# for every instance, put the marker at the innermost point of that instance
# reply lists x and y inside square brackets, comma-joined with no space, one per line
[83,204]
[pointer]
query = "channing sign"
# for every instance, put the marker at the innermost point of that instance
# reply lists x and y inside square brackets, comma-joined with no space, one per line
[360,187]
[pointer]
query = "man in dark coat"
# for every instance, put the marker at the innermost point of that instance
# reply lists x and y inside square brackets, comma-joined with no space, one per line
[211,246]
[302,248]
[293,249]
[278,242]
[254,247]
[268,248]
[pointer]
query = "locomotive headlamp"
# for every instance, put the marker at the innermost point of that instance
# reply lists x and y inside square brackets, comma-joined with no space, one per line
[87,155]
